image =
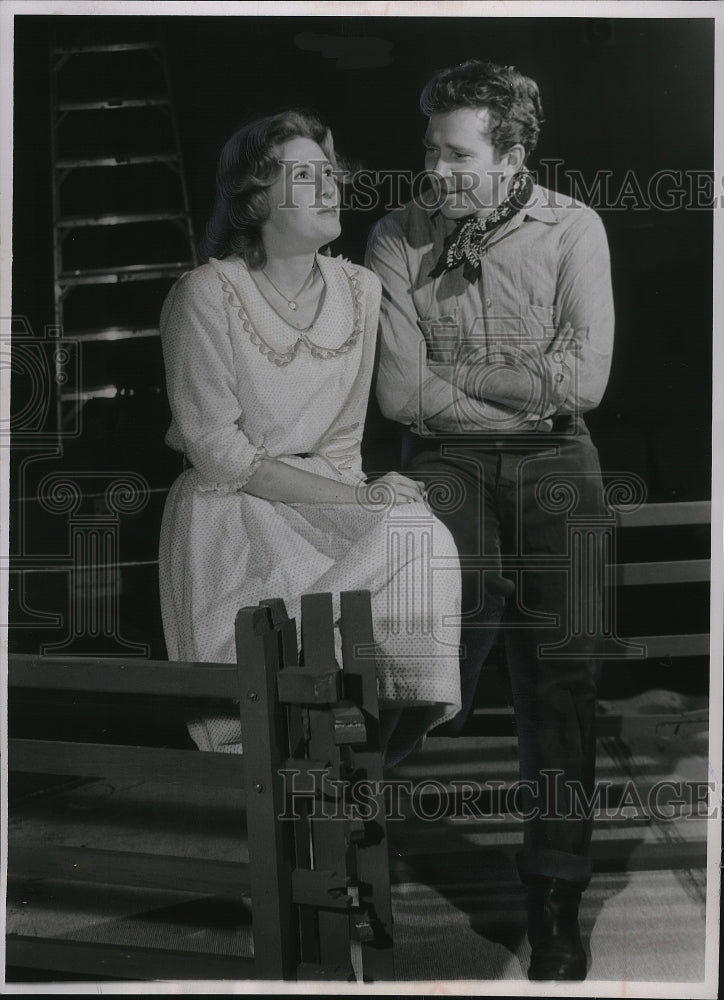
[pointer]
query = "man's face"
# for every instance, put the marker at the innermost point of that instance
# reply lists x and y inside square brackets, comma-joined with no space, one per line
[460,153]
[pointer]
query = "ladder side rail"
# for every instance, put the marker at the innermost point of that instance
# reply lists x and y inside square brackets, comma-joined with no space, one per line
[177,141]
[58,292]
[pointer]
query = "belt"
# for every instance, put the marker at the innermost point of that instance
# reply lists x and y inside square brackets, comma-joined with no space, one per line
[562,424]
[188,464]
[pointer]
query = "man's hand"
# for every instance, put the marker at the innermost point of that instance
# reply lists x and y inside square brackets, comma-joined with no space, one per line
[564,342]
[519,374]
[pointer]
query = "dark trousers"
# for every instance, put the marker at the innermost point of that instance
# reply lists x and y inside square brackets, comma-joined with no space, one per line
[527,513]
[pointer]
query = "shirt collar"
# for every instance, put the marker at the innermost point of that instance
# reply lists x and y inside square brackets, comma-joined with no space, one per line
[538,207]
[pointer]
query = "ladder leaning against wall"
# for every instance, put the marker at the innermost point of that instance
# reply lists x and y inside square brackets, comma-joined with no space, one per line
[122,229]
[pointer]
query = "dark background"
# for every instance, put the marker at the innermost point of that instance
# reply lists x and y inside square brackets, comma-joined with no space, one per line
[619,95]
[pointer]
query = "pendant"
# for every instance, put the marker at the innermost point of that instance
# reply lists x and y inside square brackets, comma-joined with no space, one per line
[292,306]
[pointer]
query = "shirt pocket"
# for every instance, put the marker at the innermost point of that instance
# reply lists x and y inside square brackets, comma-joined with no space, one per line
[442,333]
[539,323]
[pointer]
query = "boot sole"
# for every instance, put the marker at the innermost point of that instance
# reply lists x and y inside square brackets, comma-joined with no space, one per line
[561,973]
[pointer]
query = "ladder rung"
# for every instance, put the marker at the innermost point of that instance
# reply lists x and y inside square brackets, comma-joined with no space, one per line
[113,333]
[83,395]
[119,160]
[112,103]
[107,392]
[68,50]
[121,218]
[131,272]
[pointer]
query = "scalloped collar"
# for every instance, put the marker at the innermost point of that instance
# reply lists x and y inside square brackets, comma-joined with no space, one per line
[283,358]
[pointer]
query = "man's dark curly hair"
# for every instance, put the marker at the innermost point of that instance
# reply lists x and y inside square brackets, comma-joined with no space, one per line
[512,100]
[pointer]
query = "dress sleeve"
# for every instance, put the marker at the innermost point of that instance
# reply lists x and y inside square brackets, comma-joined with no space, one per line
[201,384]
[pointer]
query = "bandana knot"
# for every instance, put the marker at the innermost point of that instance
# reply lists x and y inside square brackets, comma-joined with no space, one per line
[466,242]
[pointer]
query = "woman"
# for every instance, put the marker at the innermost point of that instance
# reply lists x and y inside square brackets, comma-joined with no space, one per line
[269,349]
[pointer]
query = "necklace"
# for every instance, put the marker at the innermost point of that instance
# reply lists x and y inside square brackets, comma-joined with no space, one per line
[283,358]
[292,303]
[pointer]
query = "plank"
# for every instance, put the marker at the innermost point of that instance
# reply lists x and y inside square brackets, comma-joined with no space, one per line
[660,646]
[679,571]
[119,961]
[619,855]
[122,676]
[104,760]
[226,879]
[665,514]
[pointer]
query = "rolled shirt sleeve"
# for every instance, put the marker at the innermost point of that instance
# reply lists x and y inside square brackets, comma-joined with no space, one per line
[408,388]
[404,379]
[584,299]
[201,383]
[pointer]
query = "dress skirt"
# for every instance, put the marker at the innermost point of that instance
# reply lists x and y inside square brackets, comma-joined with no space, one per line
[220,552]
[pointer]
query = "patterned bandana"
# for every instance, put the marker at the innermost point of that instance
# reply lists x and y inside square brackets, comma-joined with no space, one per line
[465,243]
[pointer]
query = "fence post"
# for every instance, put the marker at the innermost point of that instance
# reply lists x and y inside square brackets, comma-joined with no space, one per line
[265,743]
[373,867]
[329,843]
[297,718]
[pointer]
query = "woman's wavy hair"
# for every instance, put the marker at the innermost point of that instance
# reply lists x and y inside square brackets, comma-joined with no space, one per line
[512,100]
[248,165]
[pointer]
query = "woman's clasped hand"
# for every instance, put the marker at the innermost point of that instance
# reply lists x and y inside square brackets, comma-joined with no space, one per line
[390,490]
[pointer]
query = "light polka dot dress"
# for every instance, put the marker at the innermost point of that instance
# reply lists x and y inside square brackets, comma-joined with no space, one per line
[244,384]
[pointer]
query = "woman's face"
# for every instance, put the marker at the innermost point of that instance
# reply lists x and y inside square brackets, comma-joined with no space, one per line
[303,200]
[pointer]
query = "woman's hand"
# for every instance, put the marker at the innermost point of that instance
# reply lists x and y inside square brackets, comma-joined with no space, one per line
[278,481]
[391,489]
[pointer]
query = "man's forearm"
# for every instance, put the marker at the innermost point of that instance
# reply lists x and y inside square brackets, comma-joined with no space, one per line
[522,384]
[440,404]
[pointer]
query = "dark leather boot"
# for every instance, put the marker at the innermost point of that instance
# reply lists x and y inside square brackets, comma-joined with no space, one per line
[557,952]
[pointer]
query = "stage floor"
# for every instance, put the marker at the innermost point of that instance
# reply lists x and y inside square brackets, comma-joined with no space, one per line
[458,907]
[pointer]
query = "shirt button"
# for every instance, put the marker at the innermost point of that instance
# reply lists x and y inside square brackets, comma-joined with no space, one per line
[488,302]
[558,356]
[559,378]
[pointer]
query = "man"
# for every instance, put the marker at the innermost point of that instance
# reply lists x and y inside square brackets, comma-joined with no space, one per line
[496,335]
